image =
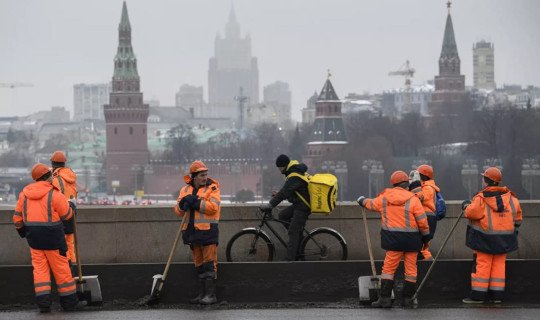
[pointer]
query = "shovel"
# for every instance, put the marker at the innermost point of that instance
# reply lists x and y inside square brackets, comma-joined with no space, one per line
[159,279]
[415,296]
[368,285]
[88,288]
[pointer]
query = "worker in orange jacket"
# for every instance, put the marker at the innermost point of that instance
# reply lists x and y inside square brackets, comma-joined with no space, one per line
[494,220]
[200,199]
[426,190]
[404,230]
[65,180]
[40,215]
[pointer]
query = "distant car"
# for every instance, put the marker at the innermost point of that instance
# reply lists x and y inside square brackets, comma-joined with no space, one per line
[126,202]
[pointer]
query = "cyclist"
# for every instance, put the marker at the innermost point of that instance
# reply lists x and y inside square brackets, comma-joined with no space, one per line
[294,189]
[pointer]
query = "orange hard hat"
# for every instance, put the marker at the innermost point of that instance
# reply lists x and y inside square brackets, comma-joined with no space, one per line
[398,177]
[38,170]
[58,156]
[197,166]
[493,173]
[426,170]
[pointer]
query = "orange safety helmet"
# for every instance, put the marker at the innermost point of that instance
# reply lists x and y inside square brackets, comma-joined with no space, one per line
[493,173]
[426,170]
[58,156]
[39,170]
[197,166]
[398,177]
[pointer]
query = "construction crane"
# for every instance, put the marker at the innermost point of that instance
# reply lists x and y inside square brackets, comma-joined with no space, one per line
[408,72]
[15,85]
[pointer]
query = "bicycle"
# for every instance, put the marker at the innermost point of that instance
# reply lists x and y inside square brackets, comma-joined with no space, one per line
[254,244]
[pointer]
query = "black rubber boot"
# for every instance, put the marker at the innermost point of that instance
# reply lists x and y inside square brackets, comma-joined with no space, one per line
[385,295]
[198,298]
[210,291]
[44,303]
[409,288]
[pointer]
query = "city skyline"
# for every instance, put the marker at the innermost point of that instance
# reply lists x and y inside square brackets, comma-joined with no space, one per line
[55,46]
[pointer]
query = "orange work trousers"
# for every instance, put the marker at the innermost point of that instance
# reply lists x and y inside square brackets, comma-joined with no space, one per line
[391,263]
[488,276]
[45,261]
[70,241]
[205,259]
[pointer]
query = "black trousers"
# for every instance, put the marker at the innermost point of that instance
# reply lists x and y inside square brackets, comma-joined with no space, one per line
[296,221]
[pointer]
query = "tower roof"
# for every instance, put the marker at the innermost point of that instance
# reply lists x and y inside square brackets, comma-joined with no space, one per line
[449,47]
[124,21]
[232,29]
[328,92]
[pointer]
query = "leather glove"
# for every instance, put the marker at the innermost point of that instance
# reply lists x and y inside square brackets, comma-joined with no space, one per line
[266,207]
[465,204]
[414,185]
[22,232]
[360,200]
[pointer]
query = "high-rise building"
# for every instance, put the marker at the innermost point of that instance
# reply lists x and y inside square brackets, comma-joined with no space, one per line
[89,99]
[190,98]
[449,97]
[484,65]
[232,67]
[277,97]
[126,119]
[308,113]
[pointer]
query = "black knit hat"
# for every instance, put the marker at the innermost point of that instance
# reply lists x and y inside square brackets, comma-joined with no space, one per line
[282,161]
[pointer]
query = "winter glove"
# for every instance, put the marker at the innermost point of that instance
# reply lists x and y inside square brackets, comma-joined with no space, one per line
[182,204]
[465,204]
[425,239]
[22,231]
[360,200]
[266,207]
[190,201]
[414,185]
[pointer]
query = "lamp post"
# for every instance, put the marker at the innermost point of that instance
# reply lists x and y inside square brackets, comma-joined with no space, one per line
[469,176]
[375,174]
[530,169]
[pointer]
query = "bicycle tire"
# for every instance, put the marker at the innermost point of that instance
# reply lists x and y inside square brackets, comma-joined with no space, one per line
[250,244]
[323,244]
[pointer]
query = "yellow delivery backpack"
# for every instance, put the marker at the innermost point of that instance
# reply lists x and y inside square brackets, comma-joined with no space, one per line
[322,188]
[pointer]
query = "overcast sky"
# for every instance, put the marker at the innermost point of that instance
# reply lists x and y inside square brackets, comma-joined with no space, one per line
[54,44]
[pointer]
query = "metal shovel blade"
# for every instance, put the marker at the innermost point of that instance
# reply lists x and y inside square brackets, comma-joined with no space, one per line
[368,287]
[90,290]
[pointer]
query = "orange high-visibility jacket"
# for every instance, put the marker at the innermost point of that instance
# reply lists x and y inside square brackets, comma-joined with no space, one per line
[65,180]
[40,210]
[427,193]
[206,218]
[494,216]
[403,219]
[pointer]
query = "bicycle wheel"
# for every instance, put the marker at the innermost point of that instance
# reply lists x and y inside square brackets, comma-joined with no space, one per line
[250,245]
[323,244]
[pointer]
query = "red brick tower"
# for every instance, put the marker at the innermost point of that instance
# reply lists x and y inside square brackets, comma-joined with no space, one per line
[126,118]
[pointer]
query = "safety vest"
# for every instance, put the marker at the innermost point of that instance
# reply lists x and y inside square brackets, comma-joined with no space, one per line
[65,180]
[40,210]
[494,214]
[209,209]
[403,220]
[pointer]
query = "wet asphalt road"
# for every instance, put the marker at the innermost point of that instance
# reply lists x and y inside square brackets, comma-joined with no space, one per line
[296,314]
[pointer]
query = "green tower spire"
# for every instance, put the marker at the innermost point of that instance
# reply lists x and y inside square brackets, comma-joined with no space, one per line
[125,62]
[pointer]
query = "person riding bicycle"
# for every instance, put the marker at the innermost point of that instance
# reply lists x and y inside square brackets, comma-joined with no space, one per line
[296,214]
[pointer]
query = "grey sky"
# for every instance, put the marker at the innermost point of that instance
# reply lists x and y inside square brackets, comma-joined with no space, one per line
[57,43]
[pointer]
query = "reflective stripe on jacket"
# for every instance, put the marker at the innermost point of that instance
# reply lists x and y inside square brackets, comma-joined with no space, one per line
[403,220]
[209,208]
[494,214]
[65,180]
[41,210]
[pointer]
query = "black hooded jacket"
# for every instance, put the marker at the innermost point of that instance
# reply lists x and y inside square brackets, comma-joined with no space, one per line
[292,185]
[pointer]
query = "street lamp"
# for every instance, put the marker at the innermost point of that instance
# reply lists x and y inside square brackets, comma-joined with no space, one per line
[469,176]
[530,169]
[375,173]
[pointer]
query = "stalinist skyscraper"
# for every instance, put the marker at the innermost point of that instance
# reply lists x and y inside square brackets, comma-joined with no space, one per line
[232,67]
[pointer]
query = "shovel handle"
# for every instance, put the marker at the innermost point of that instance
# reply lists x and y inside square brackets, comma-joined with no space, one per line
[76,240]
[437,256]
[368,239]
[171,254]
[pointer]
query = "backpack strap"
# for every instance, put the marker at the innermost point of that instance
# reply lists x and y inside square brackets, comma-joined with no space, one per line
[304,177]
